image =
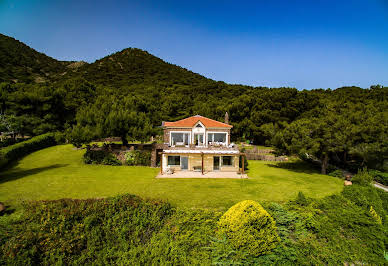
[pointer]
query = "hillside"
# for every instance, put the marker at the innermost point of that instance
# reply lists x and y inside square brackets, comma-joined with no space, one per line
[20,63]
[134,66]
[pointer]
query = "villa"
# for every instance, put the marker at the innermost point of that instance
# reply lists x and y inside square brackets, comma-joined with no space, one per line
[199,144]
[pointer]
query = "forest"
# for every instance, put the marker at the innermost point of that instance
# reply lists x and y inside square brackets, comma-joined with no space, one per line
[128,94]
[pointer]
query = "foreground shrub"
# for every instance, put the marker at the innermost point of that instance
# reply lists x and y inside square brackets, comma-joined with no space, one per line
[79,232]
[362,178]
[18,150]
[249,227]
[137,157]
[380,177]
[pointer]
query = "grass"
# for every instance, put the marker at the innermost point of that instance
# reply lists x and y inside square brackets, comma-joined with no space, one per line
[59,172]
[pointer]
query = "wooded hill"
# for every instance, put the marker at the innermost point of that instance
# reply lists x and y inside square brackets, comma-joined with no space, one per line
[129,94]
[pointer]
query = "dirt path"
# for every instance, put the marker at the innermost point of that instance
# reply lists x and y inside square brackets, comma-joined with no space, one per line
[378,185]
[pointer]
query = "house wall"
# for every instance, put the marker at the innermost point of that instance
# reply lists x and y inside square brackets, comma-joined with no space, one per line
[196,160]
[166,133]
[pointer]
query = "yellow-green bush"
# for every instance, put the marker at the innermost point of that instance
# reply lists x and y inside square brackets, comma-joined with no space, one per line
[249,227]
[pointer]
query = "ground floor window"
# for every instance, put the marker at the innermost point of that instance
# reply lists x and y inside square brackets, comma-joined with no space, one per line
[174,160]
[227,160]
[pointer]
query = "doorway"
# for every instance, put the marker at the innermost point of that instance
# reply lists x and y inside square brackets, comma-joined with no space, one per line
[216,163]
[184,163]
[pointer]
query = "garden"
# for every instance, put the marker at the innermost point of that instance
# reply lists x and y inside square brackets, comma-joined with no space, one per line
[60,172]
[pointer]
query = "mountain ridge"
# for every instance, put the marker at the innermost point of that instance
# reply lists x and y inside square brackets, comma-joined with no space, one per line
[124,68]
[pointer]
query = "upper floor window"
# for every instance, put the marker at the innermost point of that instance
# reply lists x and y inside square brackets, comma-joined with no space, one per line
[214,138]
[180,139]
[199,125]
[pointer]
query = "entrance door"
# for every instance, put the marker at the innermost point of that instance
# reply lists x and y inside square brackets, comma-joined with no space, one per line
[216,163]
[184,163]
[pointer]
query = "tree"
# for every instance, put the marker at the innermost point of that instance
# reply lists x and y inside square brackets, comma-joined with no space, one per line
[315,137]
[111,116]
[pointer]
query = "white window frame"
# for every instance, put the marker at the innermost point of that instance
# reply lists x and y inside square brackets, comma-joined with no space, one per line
[187,132]
[212,132]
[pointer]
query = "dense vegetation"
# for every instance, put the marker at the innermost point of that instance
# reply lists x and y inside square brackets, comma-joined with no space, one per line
[20,63]
[129,93]
[338,229]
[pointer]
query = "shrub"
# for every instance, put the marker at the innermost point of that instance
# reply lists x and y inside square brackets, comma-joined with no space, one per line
[380,177]
[78,232]
[301,199]
[245,162]
[136,157]
[375,216]
[249,227]
[336,173]
[18,150]
[366,196]
[362,177]
[100,157]
[110,159]
[60,137]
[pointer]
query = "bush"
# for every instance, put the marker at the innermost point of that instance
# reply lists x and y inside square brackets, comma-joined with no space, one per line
[380,177]
[375,216]
[362,178]
[110,159]
[245,162]
[249,227]
[136,157]
[60,137]
[100,157]
[83,232]
[336,173]
[301,199]
[18,150]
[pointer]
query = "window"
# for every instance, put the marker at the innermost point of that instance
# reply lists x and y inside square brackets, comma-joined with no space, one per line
[216,138]
[174,160]
[180,139]
[227,161]
[199,125]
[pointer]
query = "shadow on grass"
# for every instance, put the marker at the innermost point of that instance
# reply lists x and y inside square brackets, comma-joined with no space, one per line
[299,167]
[13,175]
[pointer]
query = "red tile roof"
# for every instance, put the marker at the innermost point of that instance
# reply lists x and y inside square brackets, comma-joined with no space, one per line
[191,121]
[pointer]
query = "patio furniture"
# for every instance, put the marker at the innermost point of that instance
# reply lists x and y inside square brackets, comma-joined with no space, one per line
[197,168]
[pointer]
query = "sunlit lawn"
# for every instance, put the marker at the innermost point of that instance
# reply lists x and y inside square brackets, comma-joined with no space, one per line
[58,172]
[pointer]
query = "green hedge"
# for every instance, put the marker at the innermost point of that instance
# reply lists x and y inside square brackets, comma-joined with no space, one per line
[100,157]
[138,158]
[18,150]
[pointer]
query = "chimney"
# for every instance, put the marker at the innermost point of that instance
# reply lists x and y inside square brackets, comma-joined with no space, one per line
[226,118]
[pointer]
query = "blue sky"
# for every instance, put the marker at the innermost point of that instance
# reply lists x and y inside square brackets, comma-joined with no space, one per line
[302,44]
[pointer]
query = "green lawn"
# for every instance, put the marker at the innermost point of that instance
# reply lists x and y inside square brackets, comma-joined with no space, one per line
[58,172]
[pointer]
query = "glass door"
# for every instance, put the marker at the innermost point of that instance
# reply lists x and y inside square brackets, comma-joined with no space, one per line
[184,163]
[198,139]
[216,163]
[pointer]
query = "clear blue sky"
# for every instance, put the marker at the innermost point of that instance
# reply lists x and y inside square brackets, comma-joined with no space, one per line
[303,44]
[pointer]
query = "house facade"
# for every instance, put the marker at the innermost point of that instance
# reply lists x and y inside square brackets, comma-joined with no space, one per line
[198,144]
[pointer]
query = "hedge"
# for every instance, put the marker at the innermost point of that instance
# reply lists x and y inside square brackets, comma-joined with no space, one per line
[18,150]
